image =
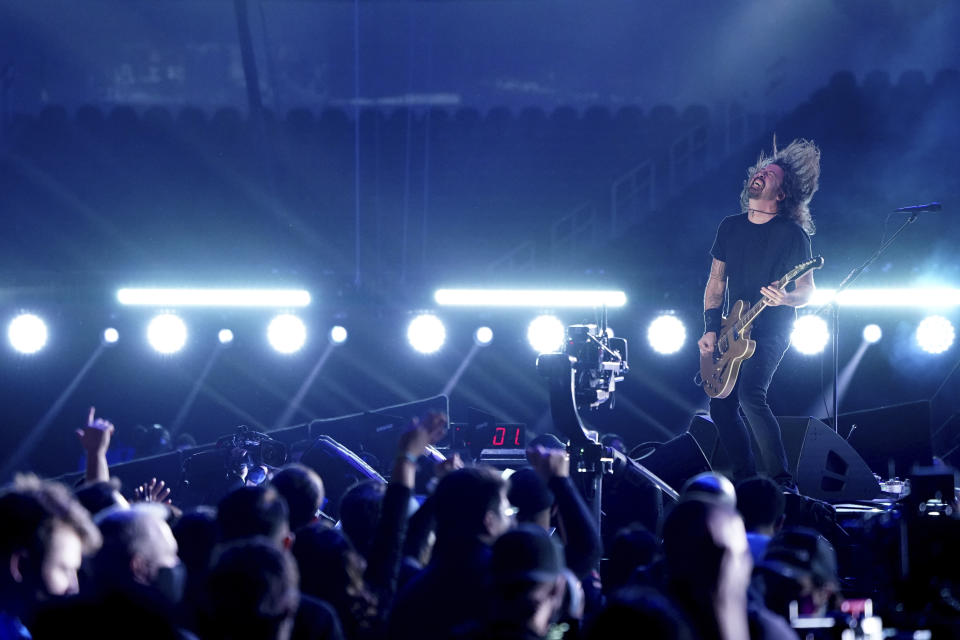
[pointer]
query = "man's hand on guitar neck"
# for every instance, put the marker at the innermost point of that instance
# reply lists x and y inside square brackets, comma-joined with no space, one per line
[774,296]
[707,343]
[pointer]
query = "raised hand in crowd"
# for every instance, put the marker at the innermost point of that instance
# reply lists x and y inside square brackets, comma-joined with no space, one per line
[413,442]
[95,439]
[549,463]
[152,491]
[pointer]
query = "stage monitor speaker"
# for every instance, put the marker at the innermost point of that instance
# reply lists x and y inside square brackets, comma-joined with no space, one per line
[823,464]
[892,440]
[674,461]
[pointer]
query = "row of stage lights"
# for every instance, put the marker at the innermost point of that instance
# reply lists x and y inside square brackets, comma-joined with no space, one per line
[287,334]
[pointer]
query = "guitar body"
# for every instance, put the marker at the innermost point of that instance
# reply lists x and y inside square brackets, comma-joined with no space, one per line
[719,369]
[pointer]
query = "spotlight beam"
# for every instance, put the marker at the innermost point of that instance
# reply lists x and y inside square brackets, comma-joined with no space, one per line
[826,402]
[195,391]
[39,430]
[539,298]
[455,378]
[294,405]
[275,298]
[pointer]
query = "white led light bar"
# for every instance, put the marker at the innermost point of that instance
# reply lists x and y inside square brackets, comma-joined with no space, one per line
[538,298]
[275,298]
[919,297]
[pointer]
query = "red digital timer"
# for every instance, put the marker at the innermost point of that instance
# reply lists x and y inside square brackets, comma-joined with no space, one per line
[510,436]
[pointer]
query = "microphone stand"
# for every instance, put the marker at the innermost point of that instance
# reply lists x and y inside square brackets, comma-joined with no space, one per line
[835,313]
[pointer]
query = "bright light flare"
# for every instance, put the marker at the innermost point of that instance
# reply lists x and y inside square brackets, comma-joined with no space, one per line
[540,298]
[483,336]
[546,334]
[666,334]
[167,333]
[426,333]
[872,333]
[286,333]
[935,334]
[172,298]
[27,333]
[914,297]
[110,335]
[225,336]
[810,335]
[338,334]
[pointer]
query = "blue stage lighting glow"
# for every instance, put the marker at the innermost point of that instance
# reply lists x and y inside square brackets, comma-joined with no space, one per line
[167,333]
[338,334]
[173,298]
[286,333]
[546,334]
[27,333]
[426,333]
[539,298]
[810,335]
[666,334]
[914,297]
[483,336]
[935,334]
[872,333]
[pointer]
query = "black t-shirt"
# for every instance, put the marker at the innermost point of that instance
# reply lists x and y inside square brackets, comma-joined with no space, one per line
[756,255]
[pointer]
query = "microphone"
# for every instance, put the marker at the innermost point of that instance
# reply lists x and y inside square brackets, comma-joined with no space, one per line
[919,208]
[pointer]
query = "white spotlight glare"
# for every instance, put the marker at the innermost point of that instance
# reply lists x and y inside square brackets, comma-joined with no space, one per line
[338,334]
[546,334]
[27,333]
[110,335]
[287,333]
[225,336]
[483,336]
[872,333]
[810,335]
[935,334]
[666,334]
[426,333]
[167,333]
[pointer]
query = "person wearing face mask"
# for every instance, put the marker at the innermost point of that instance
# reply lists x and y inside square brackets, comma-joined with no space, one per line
[751,252]
[137,581]
[44,535]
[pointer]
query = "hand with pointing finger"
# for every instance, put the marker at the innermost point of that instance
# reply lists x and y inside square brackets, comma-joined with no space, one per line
[95,436]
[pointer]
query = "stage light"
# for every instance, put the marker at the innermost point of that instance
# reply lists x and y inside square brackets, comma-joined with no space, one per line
[426,333]
[872,333]
[810,335]
[338,334]
[546,334]
[27,333]
[167,333]
[539,298]
[935,334]
[483,336]
[225,336]
[110,335]
[914,297]
[287,333]
[666,334]
[283,298]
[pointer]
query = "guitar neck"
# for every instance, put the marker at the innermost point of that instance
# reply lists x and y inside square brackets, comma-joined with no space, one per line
[755,310]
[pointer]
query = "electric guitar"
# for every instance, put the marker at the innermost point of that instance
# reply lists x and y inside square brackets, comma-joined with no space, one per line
[719,370]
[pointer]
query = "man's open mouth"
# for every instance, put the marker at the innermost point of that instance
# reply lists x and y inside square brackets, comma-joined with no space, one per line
[757,183]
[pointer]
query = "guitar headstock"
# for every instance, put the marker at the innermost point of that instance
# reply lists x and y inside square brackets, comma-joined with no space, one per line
[802,268]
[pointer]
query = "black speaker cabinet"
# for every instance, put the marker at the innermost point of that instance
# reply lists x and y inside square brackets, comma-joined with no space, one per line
[674,461]
[824,465]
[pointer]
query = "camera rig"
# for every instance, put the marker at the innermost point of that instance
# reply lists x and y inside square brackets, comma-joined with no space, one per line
[584,377]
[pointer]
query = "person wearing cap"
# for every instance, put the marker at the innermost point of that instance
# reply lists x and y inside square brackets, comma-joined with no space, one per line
[528,585]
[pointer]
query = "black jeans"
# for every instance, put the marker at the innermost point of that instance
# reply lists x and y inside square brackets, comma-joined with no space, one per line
[750,394]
